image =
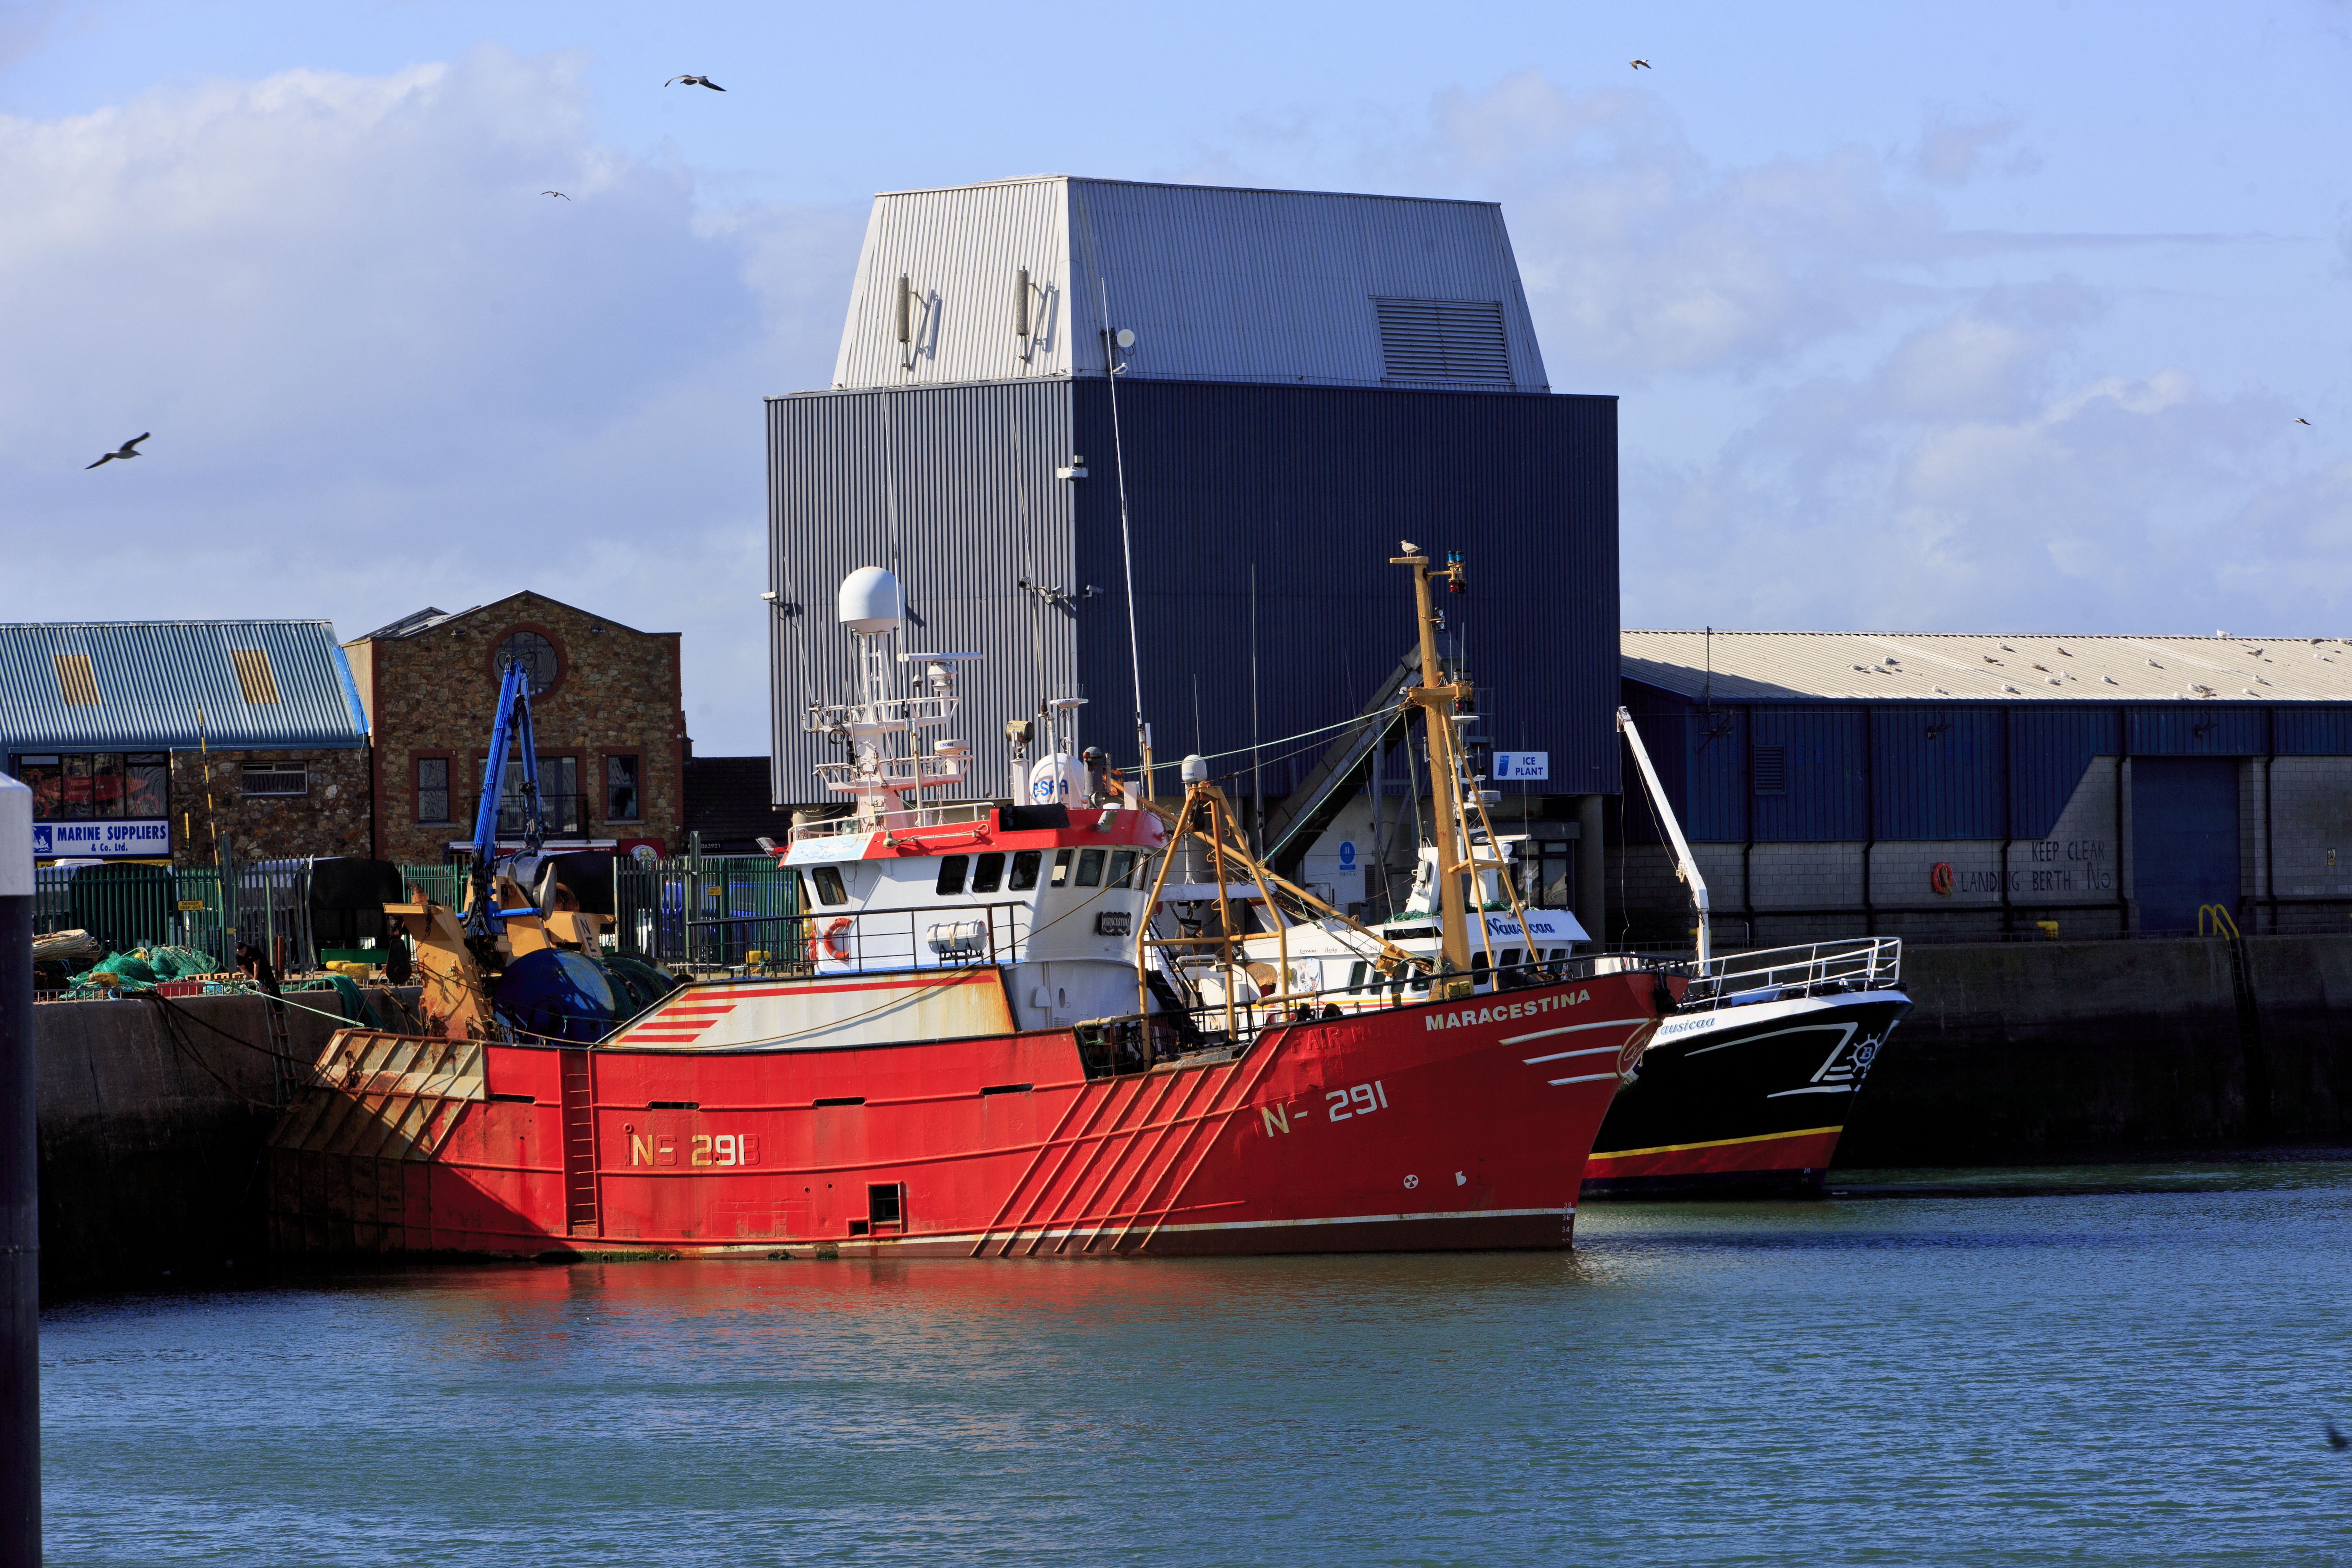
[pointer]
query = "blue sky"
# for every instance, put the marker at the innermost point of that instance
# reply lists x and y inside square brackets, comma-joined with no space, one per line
[1992,318]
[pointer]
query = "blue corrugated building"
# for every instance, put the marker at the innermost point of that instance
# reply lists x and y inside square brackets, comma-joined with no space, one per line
[1280,386]
[1964,786]
[159,739]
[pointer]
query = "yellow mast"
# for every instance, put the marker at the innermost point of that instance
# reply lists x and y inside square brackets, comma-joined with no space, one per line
[1437,702]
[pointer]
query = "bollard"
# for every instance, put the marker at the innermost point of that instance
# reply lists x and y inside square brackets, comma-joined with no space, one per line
[20,1313]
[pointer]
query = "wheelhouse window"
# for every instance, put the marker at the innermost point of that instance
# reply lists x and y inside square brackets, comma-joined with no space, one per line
[1025,863]
[1122,865]
[829,889]
[987,873]
[1061,867]
[621,788]
[951,870]
[1090,866]
[432,789]
[275,779]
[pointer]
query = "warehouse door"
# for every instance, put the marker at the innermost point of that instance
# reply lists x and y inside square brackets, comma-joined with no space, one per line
[2184,839]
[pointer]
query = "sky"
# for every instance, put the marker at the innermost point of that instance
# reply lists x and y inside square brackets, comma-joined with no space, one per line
[1986,318]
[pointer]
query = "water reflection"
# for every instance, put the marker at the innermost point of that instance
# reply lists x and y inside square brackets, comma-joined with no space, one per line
[1988,1379]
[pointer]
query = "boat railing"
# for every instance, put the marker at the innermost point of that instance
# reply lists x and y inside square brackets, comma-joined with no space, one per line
[861,941]
[1785,973]
[945,814]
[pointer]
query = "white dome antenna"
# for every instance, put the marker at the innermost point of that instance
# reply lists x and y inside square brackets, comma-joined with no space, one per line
[868,602]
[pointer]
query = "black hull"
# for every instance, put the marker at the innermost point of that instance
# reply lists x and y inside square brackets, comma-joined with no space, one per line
[1743,1098]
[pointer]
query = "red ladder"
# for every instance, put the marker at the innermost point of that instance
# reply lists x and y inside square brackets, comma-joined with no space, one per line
[579,1145]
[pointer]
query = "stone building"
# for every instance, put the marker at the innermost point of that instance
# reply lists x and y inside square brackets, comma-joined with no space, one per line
[605,707]
[167,740]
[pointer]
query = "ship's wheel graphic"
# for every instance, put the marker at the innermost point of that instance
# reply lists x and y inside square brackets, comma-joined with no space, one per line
[1411,1182]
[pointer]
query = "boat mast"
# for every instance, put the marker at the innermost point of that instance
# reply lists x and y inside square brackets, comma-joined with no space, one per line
[1437,702]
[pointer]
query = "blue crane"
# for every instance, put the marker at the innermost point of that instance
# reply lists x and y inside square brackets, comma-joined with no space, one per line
[483,916]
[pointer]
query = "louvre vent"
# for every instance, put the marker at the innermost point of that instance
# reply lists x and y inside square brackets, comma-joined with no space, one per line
[253,674]
[1772,770]
[1443,340]
[77,683]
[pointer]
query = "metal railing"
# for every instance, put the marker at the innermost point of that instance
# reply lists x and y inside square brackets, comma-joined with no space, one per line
[878,941]
[1784,973]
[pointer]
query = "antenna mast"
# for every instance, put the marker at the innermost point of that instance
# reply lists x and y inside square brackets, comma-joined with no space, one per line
[1125,549]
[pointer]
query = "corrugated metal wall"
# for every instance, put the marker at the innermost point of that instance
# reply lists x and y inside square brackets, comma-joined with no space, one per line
[1218,284]
[1936,772]
[153,677]
[1315,487]
[953,489]
[1933,772]
[2050,746]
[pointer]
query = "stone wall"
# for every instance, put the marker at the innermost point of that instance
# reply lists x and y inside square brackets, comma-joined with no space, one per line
[334,816]
[432,693]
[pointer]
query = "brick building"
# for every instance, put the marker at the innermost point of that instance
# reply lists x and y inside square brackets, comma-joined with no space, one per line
[606,706]
[162,740]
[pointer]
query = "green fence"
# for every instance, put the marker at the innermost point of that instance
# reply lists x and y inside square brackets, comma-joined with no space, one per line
[714,910]
[124,907]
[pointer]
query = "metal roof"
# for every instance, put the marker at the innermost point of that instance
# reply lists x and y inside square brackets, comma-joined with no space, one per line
[150,679]
[1217,283]
[1932,666]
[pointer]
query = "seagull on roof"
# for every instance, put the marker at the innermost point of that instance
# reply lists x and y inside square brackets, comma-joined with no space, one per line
[695,81]
[128,450]
[555,193]
[1639,65]
[1408,546]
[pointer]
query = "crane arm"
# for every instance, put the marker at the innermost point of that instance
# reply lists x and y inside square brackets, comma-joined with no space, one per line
[1685,865]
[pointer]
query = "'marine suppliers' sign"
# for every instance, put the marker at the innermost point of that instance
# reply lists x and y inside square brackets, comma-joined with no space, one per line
[72,840]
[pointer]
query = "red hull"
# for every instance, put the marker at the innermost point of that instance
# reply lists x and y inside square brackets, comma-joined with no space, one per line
[1427,1127]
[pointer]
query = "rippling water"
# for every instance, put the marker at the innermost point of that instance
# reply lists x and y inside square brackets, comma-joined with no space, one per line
[2095,1376]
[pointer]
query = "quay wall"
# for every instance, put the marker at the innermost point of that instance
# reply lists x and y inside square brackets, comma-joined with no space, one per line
[153,1117]
[2019,1052]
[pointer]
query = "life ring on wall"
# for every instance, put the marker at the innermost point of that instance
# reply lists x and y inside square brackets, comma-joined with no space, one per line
[1941,879]
[837,939]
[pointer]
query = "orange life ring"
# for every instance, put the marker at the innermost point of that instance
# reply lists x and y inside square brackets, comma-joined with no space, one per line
[1941,879]
[836,941]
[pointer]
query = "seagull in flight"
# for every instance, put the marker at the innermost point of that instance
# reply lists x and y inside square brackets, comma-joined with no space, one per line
[1639,65]
[2301,420]
[128,450]
[555,193]
[695,81]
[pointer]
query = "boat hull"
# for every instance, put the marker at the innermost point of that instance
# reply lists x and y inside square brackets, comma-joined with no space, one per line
[1459,1125]
[1749,1098]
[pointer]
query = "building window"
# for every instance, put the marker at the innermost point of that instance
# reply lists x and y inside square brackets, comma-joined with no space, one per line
[108,785]
[432,789]
[276,779]
[559,795]
[621,789]
[535,653]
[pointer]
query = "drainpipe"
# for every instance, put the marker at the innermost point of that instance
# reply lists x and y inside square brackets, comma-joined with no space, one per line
[20,1362]
[2270,823]
[2123,906]
[2008,825]
[1869,818]
[1748,821]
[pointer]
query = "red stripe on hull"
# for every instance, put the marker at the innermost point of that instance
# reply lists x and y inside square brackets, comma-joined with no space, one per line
[1777,1154]
[1409,1129]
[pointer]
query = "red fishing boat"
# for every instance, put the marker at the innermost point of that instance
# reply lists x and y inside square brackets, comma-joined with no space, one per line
[1068,1026]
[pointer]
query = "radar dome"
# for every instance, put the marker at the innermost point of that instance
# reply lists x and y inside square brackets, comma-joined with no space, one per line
[868,600]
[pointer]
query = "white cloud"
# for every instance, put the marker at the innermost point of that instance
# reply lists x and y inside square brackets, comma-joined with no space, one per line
[382,369]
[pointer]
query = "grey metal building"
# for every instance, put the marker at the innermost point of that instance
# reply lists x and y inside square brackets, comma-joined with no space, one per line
[1284,385]
[1967,787]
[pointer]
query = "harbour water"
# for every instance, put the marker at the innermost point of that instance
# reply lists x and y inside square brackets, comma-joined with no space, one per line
[2094,1366]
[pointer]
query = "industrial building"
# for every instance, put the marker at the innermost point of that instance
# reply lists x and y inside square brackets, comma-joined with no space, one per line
[1247,396]
[167,741]
[1971,788]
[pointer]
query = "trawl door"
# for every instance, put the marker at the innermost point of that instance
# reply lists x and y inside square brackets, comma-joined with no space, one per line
[2184,839]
